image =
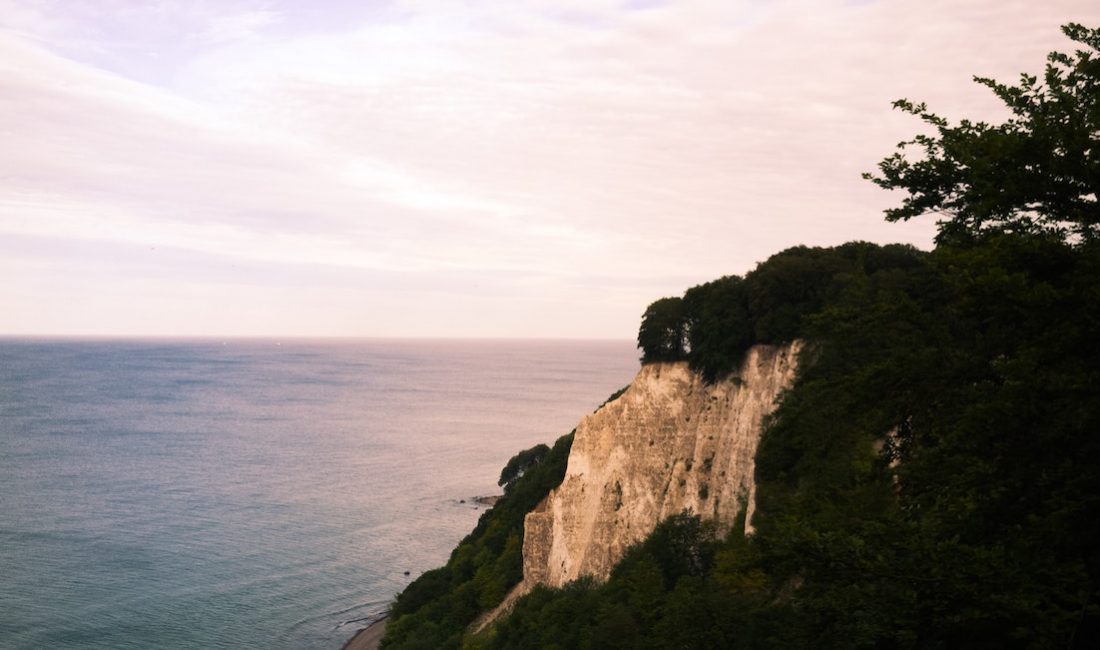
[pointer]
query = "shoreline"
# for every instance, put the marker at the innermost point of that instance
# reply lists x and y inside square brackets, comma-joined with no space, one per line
[369,637]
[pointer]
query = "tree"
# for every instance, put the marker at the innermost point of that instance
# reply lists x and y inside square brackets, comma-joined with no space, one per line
[663,331]
[720,329]
[1038,172]
[520,463]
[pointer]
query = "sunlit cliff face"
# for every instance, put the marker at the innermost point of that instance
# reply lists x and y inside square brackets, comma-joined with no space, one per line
[669,444]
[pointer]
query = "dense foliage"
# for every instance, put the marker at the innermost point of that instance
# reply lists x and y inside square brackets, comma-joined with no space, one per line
[663,330]
[651,591]
[434,610]
[1037,172]
[518,465]
[978,524]
[715,323]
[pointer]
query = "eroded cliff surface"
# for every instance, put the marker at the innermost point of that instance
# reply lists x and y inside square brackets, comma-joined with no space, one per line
[670,443]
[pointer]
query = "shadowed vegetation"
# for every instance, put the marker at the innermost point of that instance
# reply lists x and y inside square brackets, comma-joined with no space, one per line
[434,610]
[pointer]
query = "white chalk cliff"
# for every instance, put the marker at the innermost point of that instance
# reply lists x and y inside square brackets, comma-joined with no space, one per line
[669,443]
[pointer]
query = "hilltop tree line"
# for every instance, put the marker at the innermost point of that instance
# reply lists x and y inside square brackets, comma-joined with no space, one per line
[714,324]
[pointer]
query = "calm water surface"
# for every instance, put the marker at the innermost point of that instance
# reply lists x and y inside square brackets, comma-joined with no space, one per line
[253,494]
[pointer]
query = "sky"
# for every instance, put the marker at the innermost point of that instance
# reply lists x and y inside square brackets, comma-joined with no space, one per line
[418,168]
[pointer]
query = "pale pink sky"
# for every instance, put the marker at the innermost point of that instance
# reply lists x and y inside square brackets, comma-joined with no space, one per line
[415,168]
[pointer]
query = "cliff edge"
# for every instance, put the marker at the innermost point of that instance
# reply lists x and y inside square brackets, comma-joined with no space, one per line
[669,443]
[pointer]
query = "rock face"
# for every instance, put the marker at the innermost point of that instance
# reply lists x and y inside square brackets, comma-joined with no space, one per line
[670,443]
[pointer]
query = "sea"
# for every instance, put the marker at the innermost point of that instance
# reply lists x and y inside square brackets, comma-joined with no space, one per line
[257,493]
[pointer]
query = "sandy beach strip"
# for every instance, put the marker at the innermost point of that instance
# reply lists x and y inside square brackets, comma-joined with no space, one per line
[367,638]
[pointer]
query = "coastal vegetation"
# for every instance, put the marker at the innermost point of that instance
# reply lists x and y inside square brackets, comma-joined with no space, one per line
[519,464]
[435,609]
[932,480]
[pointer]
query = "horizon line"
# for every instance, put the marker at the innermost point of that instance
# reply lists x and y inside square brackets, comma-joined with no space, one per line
[296,337]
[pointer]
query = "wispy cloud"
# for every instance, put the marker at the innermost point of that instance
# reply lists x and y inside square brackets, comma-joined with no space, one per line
[234,28]
[540,168]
